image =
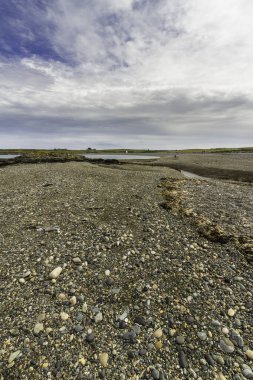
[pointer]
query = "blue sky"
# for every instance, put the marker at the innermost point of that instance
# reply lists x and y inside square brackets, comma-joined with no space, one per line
[131,73]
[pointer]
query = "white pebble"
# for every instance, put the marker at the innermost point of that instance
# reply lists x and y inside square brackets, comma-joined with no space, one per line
[98,317]
[103,358]
[225,330]
[72,300]
[55,273]
[64,316]
[38,328]
[107,272]
[249,354]
[231,312]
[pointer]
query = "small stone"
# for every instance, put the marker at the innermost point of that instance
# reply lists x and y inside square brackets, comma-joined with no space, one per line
[202,335]
[158,344]
[180,339]
[55,273]
[89,338]
[103,358]
[41,317]
[82,361]
[231,312]
[225,330]
[140,320]
[247,373]
[98,317]
[62,297]
[72,301]
[13,356]
[84,307]
[158,333]
[77,261]
[216,323]
[22,280]
[38,328]
[64,316]
[220,376]
[107,272]
[227,346]
[237,339]
[249,354]
[78,328]
[129,337]
[155,374]
[182,359]
[219,359]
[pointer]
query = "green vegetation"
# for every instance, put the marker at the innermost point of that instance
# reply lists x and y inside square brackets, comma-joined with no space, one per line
[66,152]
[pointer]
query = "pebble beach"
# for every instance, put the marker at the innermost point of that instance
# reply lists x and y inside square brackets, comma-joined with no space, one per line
[124,272]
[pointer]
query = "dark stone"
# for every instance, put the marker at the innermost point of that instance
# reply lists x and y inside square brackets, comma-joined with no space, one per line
[89,338]
[129,337]
[109,281]
[155,374]
[143,352]
[122,325]
[182,359]
[140,320]
[209,359]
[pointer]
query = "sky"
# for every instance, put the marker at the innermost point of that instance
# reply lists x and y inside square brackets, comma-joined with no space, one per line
[153,74]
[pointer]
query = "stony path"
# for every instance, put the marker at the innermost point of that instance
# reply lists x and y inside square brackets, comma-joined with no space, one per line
[99,282]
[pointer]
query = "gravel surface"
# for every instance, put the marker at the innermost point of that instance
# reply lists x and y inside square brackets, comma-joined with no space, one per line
[99,281]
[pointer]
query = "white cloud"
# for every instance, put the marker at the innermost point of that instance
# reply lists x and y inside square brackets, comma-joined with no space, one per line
[153,68]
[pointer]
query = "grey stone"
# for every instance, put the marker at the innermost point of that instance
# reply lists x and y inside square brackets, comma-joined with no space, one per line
[155,374]
[182,359]
[227,346]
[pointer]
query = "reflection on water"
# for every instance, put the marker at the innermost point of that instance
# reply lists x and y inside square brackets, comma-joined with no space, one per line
[120,156]
[5,156]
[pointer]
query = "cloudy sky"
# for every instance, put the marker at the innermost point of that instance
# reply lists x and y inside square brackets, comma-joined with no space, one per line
[126,73]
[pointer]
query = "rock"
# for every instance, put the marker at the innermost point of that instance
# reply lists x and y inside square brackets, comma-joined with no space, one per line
[103,358]
[155,374]
[247,373]
[227,346]
[216,323]
[219,359]
[202,335]
[237,339]
[158,344]
[77,261]
[38,328]
[129,337]
[84,307]
[78,328]
[41,317]
[98,317]
[180,339]
[55,273]
[220,376]
[89,337]
[225,330]
[107,272]
[140,320]
[64,316]
[122,316]
[13,356]
[249,354]
[182,359]
[72,301]
[231,312]
[158,333]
